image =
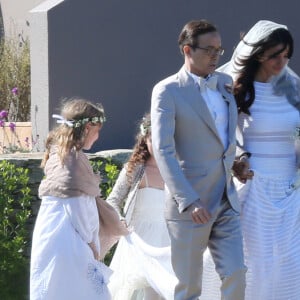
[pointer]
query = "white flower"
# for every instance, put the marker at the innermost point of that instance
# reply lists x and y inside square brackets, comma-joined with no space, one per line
[297,133]
[143,130]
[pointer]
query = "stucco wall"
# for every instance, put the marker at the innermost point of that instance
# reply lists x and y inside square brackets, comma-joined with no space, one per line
[16,15]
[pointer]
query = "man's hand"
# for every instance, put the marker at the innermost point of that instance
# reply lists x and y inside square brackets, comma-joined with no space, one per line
[241,170]
[199,214]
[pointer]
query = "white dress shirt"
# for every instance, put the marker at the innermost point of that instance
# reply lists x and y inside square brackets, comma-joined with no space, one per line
[217,107]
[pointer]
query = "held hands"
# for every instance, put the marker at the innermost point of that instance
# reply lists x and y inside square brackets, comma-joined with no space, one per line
[126,226]
[241,169]
[123,221]
[199,214]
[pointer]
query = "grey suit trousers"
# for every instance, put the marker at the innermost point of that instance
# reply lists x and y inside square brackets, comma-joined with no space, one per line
[222,234]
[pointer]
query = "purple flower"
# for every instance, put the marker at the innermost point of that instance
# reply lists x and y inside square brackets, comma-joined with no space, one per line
[12,126]
[15,91]
[34,142]
[2,123]
[3,114]
[27,142]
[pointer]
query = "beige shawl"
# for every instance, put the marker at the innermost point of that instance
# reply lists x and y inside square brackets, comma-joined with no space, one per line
[74,178]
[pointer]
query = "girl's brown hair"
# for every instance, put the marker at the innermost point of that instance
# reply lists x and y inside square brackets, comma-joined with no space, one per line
[140,152]
[70,135]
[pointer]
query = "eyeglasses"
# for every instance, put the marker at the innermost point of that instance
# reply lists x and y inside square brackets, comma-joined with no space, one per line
[211,51]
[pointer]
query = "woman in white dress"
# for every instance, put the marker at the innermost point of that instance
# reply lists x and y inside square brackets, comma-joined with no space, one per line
[65,245]
[138,197]
[268,99]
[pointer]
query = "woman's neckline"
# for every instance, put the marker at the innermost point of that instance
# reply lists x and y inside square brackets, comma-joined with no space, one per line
[151,187]
[262,83]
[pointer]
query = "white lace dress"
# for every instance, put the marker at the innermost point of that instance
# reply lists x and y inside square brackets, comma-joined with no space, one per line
[270,208]
[133,269]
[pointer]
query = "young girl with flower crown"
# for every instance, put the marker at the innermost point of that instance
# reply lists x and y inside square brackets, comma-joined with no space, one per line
[138,197]
[65,245]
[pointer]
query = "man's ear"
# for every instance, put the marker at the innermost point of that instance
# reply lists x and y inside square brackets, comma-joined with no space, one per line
[186,49]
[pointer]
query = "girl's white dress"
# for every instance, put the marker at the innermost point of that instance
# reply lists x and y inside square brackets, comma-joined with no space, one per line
[62,264]
[270,207]
[132,264]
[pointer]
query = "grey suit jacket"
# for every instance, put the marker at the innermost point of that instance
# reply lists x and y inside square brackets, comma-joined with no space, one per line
[187,146]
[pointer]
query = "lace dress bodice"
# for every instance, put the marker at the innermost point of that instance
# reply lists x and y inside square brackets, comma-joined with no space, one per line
[269,133]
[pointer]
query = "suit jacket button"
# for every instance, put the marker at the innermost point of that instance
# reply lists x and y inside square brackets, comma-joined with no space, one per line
[224,156]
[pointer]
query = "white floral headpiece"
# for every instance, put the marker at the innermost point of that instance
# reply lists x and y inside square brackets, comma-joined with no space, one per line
[78,123]
[144,129]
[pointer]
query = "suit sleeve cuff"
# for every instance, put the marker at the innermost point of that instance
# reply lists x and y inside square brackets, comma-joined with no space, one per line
[182,208]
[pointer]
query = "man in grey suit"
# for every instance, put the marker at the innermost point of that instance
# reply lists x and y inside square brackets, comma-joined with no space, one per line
[194,117]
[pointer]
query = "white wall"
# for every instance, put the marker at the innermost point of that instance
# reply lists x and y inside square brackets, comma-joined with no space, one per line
[16,15]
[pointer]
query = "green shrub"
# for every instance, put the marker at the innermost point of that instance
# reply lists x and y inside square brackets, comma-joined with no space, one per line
[14,238]
[109,173]
[112,171]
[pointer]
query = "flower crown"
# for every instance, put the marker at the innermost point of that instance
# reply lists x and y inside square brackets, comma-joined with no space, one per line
[144,128]
[80,122]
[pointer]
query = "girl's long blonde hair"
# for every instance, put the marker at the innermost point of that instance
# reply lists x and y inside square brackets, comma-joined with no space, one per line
[71,135]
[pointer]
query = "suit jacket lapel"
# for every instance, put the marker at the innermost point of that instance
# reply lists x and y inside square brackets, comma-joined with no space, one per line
[192,96]
[232,121]
[232,109]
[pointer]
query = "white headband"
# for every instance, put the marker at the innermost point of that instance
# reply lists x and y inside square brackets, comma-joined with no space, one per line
[78,123]
[62,120]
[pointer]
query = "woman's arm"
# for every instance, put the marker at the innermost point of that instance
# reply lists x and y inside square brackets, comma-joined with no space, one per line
[119,192]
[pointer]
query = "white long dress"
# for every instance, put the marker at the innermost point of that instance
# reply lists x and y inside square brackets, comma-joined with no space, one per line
[143,258]
[270,208]
[132,269]
[62,264]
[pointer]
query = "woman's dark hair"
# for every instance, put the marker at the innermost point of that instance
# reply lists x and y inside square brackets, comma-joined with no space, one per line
[244,86]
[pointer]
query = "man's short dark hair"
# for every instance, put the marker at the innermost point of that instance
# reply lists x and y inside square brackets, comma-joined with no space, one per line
[190,32]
